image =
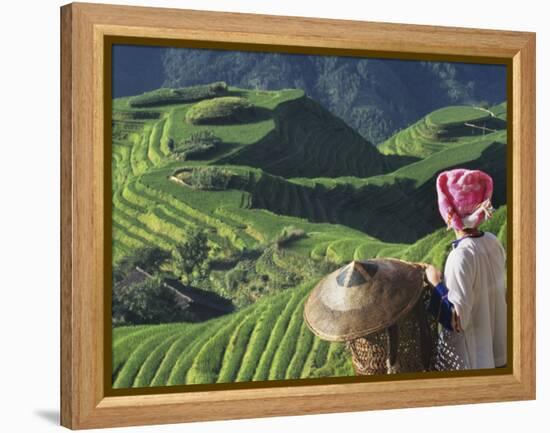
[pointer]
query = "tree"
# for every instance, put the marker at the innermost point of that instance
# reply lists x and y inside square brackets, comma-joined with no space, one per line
[147,258]
[210,178]
[196,145]
[146,301]
[189,259]
[483,104]
[289,234]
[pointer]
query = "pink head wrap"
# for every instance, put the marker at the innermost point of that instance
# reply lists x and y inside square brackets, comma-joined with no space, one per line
[464,197]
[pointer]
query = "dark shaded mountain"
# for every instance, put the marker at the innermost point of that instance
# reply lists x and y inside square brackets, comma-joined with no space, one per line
[376,97]
[136,69]
[309,141]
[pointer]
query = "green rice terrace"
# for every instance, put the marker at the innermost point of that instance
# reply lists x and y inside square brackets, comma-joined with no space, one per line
[269,191]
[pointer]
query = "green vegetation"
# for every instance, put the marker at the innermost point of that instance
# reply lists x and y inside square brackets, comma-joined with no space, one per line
[448,127]
[166,96]
[135,115]
[257,211]
[500,110]
[288,235]
[228,109]
[190,258]
[456,115]
[309,141]
[376,97]
[268,339]
[145,301]
[205,178]
[199,144]
[150,259]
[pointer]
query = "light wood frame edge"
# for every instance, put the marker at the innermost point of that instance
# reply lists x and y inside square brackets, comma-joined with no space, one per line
[83,404]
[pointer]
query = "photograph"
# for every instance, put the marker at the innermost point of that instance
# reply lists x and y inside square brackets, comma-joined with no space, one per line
[274,216]
[288,217]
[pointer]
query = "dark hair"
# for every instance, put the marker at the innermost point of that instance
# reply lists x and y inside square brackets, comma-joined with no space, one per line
[470,231]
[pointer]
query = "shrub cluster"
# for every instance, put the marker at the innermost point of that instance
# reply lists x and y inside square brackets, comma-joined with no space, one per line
[140,294]
[227,109]
[135,115]
[190,258]
[144,301]
[288,235]
[196,145]
[167,96]
[267,270]
[209,178]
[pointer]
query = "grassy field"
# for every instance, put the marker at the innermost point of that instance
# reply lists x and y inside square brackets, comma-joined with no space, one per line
[291,164]
[447,128]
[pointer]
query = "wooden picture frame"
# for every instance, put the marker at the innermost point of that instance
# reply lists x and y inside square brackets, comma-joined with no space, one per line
[85,398]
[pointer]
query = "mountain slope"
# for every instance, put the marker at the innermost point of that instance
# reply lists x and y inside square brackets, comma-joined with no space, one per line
[309,141]
[265,341]
[271,163]
[447,127]
[151,210]
[397,206]
[374,96]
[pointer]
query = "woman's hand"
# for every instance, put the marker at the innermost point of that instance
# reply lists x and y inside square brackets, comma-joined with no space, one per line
[433,275]
[456,322]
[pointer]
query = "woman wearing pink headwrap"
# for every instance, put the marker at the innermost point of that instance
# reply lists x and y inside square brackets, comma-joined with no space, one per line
[470,300]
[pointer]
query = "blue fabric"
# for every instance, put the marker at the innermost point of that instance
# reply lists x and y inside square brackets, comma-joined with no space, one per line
[440,306]
[455,243]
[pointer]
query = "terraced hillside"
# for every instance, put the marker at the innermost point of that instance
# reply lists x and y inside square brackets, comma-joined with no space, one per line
[245,166]
[448,127]
[149,210]
[311,142]
[265,341]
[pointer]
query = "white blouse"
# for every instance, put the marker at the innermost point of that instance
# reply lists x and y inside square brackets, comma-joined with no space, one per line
[475,274]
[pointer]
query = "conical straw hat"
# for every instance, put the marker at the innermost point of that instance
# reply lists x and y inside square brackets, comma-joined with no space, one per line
[362,297]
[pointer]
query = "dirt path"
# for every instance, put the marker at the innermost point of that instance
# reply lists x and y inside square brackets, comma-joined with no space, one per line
[486,110]
[483,128]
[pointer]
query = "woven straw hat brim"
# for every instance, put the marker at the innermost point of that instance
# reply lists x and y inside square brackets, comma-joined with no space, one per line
[338,313]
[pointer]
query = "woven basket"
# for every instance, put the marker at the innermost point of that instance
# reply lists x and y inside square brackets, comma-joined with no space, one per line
[407,346]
